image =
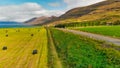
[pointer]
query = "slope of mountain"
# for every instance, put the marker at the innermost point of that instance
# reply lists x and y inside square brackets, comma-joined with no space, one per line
[108,10]
[80,11]
[30,20]
[40,20]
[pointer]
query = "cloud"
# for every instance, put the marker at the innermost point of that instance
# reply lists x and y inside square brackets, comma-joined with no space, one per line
[80,3]
[55,4]
[24,12]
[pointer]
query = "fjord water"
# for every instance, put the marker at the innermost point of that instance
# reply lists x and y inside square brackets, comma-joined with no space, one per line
[7,24]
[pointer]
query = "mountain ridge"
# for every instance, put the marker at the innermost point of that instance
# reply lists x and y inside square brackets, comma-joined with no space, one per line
[108,9]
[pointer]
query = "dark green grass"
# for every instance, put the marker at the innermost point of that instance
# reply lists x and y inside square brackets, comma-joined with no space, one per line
[80,52]
[113,31]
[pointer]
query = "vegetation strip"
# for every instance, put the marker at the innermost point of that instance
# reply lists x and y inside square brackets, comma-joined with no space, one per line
[81,52]
[54,60]
[95,36]
[112,31]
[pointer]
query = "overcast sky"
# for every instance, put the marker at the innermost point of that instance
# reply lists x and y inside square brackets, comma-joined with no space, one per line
[22,10]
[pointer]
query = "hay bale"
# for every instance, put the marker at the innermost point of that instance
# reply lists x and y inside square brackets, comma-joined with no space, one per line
[17,30]
[34,52]
[6,35]
[32,34]
[6,31]
[4,48]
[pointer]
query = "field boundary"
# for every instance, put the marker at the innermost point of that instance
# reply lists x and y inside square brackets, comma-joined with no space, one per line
[54,60]
[94,36]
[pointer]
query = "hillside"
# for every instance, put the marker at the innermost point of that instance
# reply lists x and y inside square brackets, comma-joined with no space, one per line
[40,20]
[108,10]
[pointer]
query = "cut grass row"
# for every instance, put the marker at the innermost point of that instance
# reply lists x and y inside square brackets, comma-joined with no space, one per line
[113,31]
[81,52]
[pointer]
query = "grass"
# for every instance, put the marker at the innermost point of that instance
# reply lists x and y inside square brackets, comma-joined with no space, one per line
[73,51]
[20,45]
[81,52]
[113,31]
[53,59]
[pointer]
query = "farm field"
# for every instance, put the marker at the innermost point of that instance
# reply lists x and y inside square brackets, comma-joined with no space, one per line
[55,49]
[113,31]
[20,43]
[80,52]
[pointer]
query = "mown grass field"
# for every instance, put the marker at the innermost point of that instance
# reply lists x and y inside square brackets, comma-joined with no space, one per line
[20,45]
[81,52]
[113,31]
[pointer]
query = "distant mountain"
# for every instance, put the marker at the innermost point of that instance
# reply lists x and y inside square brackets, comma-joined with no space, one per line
[40,20]
[108,10]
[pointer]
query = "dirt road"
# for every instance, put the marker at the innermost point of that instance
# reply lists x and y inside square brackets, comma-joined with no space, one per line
[95,36]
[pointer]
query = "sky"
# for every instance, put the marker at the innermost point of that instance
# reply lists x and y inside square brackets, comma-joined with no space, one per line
[23,10]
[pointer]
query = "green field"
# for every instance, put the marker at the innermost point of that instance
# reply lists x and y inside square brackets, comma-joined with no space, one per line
[20,45]
[113,31]
[81,52]
[56,49]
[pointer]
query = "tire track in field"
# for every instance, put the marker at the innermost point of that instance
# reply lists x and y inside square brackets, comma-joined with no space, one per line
[7,59]
[41,49]
[41,54]
[22,49]
[19,46]
[13,50]
[25,57]
[17,54]
[34,57]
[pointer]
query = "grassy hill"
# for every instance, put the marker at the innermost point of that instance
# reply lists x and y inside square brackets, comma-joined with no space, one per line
[109,11]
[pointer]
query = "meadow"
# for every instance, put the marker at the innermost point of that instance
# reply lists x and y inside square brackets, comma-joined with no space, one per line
[55,49]
[81,52]
[20,43]
[113,31]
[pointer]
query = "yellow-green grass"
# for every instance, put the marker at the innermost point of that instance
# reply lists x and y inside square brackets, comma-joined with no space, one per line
[113,31]
[20,45]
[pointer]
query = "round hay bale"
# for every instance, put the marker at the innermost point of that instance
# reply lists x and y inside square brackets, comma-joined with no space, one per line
[34,52]
[4,48]
[32,34]
[6,35]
